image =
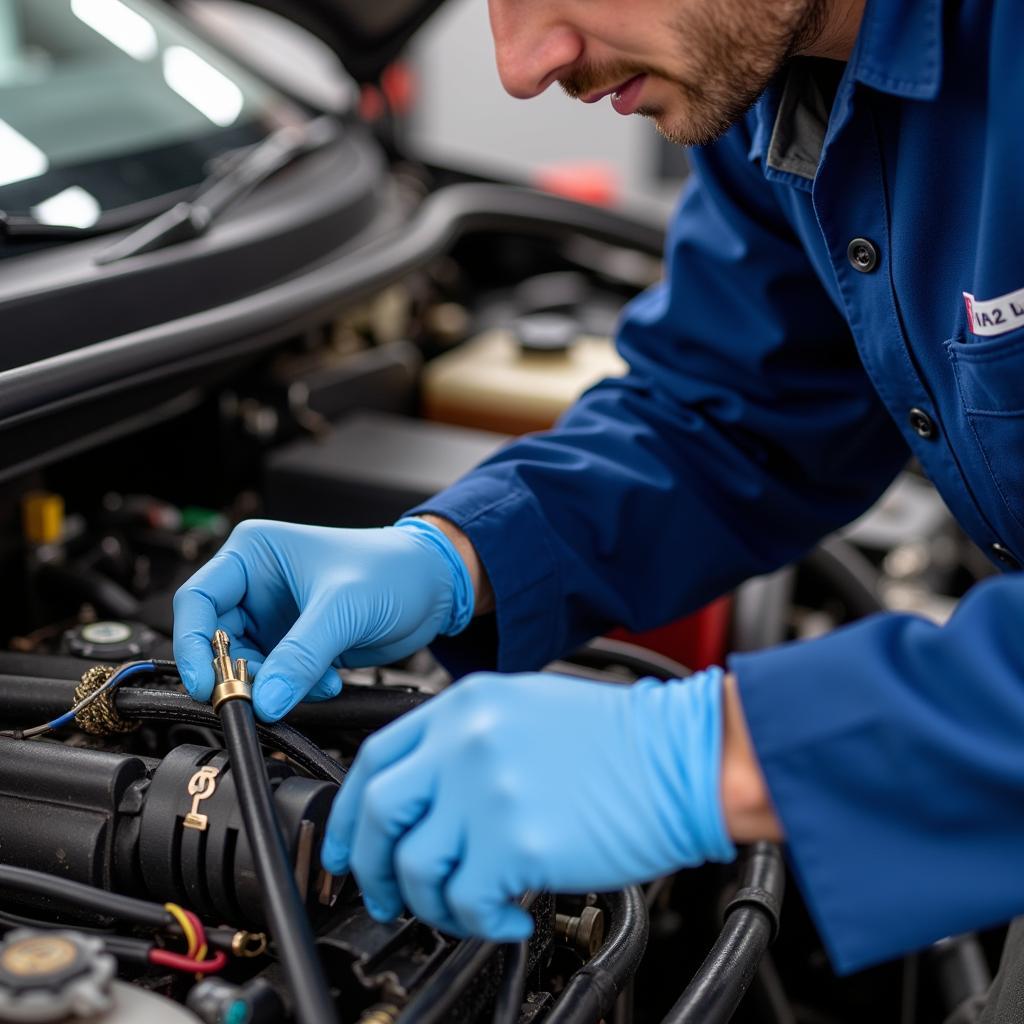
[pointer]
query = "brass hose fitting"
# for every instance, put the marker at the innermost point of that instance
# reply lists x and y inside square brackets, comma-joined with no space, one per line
[249,944]
[232,677]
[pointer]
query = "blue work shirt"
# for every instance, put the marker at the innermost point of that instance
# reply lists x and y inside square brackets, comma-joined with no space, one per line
[779,378]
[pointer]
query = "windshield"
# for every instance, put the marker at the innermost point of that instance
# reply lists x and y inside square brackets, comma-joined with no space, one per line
[105,104]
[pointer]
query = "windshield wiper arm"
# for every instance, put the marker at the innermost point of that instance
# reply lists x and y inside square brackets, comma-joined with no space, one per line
[24,225]
[224,188]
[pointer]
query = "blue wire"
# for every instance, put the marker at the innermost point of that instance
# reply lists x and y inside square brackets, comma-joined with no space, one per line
[114,681]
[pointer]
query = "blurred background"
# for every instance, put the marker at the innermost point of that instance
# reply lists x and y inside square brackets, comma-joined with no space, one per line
[457,111]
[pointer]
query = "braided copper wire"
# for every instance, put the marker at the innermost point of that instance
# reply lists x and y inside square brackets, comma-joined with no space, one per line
[100,718]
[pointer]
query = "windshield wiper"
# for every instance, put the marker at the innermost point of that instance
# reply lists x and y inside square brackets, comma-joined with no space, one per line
[24,225]
[239,175]
[222,189]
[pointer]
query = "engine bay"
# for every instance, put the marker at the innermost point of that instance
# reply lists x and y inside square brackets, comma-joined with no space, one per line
[128,885]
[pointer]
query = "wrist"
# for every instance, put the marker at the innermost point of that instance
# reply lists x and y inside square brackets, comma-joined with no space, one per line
[432,539]
[746,802]
[483,595]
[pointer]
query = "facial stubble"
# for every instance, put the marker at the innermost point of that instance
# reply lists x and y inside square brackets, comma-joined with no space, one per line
[728,52]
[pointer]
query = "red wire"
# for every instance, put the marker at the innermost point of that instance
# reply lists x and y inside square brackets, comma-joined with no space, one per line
[165,958]
[198,925]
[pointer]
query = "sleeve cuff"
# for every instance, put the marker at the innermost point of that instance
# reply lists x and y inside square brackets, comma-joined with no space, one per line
[897,833]
[806,732]
[509,534]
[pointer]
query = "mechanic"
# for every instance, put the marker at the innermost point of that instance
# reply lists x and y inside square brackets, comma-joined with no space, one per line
[844,289]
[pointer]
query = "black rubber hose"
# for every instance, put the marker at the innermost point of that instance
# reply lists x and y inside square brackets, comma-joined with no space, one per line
[751,923]
[168,705]
[592,990]
[853,577]
[761,610]
[28,701]
[27,698]
[261,320]
[119,946]
[724,977]
[960,969]
[430,1005]
[359,708]
[289,924]
[218,938]
[84,897]
[603,652]
[87,584]
[509,1004]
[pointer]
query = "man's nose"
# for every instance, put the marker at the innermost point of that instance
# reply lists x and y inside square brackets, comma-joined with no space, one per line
[532,49]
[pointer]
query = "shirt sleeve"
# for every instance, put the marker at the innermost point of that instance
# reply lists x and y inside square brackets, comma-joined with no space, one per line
[892,750]
[745,430]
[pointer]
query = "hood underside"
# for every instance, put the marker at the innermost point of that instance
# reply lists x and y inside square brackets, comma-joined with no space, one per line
[366,35]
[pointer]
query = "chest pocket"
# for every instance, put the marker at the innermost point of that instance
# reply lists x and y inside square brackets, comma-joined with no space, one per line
[990,377]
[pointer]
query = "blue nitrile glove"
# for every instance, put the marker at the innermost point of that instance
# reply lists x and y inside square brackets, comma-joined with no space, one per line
[298,601]
[504,784]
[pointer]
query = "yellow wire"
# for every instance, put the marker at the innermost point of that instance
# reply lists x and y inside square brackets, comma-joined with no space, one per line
[203,949]
[185,924]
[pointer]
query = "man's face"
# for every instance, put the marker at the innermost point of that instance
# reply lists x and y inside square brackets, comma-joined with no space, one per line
[693,66]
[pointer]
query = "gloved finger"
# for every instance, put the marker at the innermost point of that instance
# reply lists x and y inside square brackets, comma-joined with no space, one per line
[245,648]
[212,591]
[381,750]
[387,654]
[425,858]
[394,800]
[296,664]
[329,686]
[477,903]
[235,623]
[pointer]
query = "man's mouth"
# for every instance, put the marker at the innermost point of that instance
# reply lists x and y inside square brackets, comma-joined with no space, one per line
[625,96]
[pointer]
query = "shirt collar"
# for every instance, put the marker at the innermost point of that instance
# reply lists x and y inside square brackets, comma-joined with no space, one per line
[899,48]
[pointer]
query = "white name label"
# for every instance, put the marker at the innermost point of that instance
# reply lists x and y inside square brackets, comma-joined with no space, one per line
[995,316]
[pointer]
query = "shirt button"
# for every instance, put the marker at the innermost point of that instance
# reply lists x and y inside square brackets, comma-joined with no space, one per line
[863,255]
[922,424]
[1005,556]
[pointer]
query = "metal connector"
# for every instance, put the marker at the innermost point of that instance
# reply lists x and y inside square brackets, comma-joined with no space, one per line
[249,944]
[585,933]
[231,677]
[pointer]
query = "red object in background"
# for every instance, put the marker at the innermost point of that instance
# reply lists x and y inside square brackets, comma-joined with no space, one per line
[398,82]
[699,640]
[371,103]
[587,182]
[397,93]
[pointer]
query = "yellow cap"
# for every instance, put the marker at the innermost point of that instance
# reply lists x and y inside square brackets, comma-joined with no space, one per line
[42,517]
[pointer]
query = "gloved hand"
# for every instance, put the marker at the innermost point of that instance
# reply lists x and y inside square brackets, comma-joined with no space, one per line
[297,600]
[504,784]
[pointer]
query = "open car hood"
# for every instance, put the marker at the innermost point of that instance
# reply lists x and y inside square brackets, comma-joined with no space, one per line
[366,34]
